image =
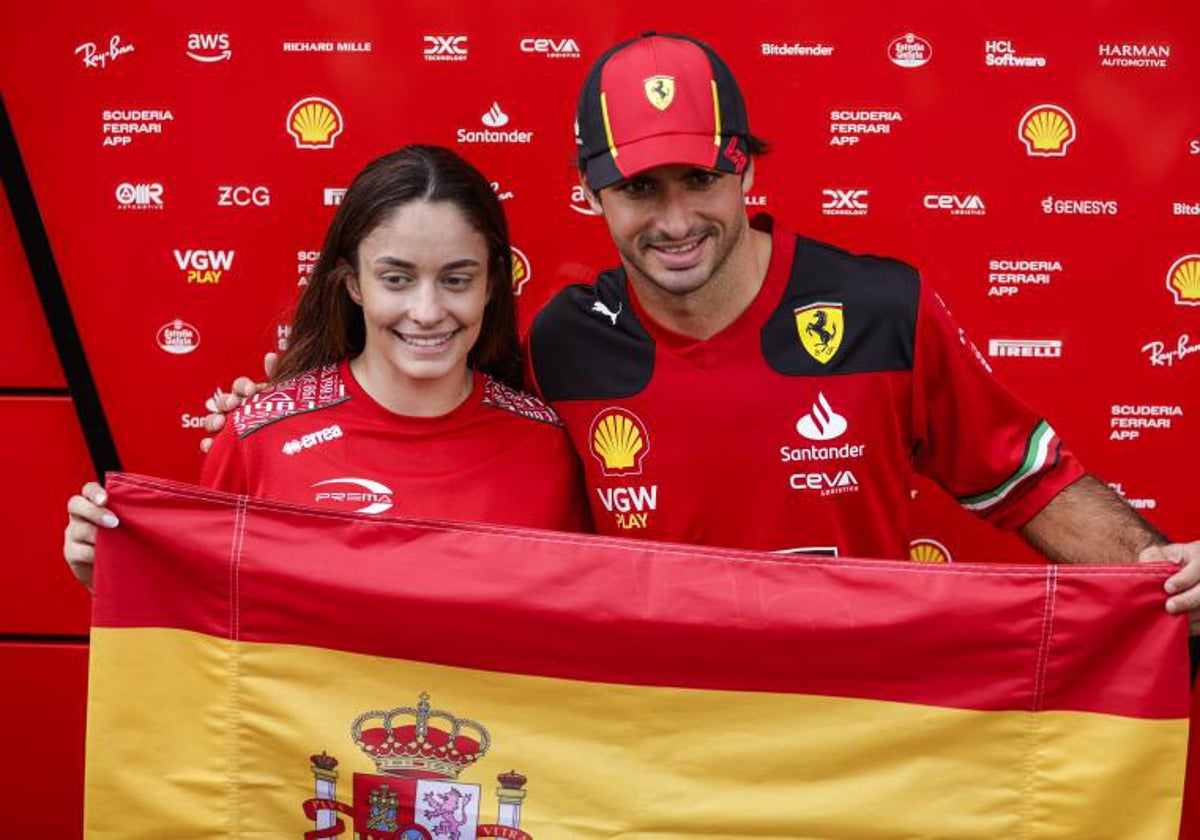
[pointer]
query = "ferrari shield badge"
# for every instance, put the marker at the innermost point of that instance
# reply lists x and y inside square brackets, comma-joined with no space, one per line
[820,326]
[660,90]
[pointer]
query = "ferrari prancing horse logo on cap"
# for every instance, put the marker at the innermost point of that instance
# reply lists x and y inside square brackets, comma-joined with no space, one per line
[660,90]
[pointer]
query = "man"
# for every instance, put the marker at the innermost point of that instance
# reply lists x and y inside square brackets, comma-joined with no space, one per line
[733,384]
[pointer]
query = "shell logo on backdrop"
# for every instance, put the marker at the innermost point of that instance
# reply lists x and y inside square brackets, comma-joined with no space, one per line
[1183,280]
[315,123]
[521,270]
[1046,131]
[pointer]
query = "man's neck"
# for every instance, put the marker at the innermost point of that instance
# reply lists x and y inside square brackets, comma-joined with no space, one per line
[728,293]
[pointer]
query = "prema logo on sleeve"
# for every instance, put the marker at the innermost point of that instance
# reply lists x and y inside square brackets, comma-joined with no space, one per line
[314,123]
[178,338]
[1046,131]
[358,495]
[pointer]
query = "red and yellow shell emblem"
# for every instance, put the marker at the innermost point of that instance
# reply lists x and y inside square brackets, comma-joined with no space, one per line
[315,123]
[926,550]
[619,441]
[1046,131]
[521,271]
[1183,280]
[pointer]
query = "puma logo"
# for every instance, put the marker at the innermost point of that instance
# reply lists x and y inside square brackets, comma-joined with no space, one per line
[606,312]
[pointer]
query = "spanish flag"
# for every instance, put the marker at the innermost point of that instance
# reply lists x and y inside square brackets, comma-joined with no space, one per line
[266,671]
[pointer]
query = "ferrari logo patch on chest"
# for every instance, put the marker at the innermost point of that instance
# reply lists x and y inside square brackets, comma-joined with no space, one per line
[820,326]
[660,90]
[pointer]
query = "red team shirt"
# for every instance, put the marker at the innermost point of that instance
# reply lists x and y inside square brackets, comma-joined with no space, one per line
[320,440]
[796,427]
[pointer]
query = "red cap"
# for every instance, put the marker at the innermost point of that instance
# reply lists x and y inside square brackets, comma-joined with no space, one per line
[659,99]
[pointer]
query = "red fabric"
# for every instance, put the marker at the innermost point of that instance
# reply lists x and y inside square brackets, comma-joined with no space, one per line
[499,457]
[618,611]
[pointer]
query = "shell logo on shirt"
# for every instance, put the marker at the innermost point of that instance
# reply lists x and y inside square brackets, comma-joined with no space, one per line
[1046,131]
[619,441]
[820,326]
[315,123]
[927,550]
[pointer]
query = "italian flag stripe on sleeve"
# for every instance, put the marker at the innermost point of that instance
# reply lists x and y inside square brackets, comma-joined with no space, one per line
[1040,451]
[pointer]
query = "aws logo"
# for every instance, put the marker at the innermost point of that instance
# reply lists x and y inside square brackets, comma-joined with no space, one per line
[1046,131]
[314,123]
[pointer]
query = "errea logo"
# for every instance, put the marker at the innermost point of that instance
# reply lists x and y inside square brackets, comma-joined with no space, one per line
[312,439]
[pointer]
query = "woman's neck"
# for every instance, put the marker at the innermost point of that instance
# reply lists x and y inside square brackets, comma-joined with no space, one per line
[407,396]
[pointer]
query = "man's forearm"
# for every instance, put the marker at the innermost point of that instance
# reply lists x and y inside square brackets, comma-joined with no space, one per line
[1088,523]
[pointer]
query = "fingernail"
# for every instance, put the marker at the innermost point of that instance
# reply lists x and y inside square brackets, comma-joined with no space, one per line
[110,521]
[101,497]
[1170,587]
[1172,607]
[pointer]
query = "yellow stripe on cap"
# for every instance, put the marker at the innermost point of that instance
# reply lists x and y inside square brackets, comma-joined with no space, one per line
[612,147]
[716,114]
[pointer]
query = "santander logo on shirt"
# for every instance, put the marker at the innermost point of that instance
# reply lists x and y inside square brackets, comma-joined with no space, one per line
[822,423]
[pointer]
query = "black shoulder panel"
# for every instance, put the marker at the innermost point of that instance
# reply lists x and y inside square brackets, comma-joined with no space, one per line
[875,329]
[587,343]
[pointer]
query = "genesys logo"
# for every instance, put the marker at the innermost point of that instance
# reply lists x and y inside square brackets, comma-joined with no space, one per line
[1052,206]
[148,196]
[1046,131]
[1027,348]
[98,57]
[494,118]
[208,47]
[1002,53]
[203,267]
[1183,280]
[910,51]
[837,202]
[357,495]
[177,338]
[551,47]
[579,202]
[968,204]
[314,123]
[230,195]
[1114,54]
[522,271]
[446,47]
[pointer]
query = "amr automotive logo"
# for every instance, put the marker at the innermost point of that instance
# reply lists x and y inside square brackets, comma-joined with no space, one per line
[344,493]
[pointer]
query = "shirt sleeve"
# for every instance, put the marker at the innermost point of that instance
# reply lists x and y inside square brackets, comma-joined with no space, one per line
[224,466]
[998,457]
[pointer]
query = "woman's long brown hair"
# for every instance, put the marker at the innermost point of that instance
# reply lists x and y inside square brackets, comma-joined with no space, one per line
[328,325]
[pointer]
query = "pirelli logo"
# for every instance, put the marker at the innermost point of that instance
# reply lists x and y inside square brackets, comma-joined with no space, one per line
[1049,348]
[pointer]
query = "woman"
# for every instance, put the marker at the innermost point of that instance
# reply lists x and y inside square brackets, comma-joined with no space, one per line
[399,392]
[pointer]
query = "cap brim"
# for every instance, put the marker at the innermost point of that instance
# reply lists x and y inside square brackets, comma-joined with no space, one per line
[660,150]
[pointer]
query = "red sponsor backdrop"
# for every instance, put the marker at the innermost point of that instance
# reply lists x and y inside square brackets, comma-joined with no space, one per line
[184,214]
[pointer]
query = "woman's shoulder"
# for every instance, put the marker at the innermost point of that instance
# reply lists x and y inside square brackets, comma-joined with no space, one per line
[502,397]
[306,392]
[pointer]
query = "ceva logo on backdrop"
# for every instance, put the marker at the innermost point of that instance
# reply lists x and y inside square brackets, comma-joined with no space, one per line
[551,47]
[208,47]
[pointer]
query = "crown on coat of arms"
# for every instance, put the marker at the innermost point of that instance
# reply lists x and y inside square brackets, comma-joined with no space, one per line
[420,742]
